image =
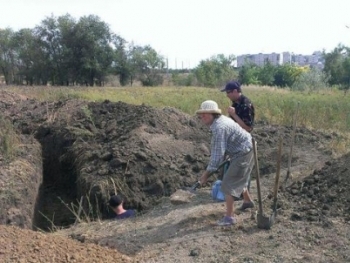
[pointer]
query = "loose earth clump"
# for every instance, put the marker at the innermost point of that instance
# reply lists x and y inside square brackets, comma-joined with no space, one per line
[324,194]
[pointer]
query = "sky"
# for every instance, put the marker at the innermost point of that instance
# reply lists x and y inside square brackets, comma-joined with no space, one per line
[188,31]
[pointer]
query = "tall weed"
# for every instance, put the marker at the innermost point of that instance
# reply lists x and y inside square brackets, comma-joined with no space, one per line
[9,139]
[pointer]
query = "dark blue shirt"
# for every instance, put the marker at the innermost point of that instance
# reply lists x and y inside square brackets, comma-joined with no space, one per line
[126,214]
[245,110]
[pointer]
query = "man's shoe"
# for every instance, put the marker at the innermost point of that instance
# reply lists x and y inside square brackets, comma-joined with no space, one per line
[247,205]
[227,221]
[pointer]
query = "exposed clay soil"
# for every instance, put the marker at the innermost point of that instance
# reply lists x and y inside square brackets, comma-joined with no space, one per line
[90,150]
[22,245]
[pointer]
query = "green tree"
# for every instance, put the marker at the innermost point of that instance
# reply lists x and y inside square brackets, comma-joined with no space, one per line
[7,55]
[31,58]
[50,35]
[346,73]
[121,65]
[215,71]
[287,74]
[266,74]
[337,66]
[146,64]
[311,80]
[95,53]
[249,74]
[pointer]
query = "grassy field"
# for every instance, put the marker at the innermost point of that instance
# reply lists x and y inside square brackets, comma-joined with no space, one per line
[326,110]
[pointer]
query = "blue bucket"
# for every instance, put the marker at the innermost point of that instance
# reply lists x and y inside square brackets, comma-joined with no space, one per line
[216,192]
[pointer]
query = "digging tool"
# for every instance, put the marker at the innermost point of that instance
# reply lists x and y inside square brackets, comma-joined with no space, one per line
[193,188]
[276,186]
[291,144]
[263,221]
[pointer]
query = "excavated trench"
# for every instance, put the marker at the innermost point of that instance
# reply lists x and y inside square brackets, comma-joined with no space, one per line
[58,190]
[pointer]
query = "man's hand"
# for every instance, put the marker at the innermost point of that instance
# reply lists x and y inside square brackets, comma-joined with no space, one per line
[204,178]
[231,111]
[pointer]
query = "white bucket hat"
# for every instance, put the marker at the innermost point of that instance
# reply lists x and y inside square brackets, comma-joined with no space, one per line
[209,106]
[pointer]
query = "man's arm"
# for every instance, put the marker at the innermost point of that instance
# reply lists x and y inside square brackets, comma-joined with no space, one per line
[232,112]
[204,177]
[241,122]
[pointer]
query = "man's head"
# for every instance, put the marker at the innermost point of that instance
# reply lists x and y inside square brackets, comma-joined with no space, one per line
[208,111]
[233,90]
[115,201]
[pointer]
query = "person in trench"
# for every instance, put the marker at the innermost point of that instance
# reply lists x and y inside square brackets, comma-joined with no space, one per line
[116,202]
[228,138]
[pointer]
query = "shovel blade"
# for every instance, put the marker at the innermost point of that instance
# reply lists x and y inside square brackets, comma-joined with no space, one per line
[264,222]
[193,188]
[189,189]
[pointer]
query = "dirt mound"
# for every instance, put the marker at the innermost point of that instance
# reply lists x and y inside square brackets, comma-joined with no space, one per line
[20,176]
[8,99]
[20,245]
[310,150]
[325,193]
[142,152]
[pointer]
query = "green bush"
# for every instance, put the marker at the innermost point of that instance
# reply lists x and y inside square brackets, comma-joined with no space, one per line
[186,79]
[311,80]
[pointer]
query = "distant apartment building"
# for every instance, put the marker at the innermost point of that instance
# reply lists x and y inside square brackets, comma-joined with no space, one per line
[314,60]
[259,59]
[286,58]
[299,60]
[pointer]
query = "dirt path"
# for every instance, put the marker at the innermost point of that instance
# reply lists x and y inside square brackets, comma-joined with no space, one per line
[188,233]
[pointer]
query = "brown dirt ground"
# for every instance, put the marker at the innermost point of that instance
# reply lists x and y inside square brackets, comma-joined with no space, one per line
[95,149]
[22,245]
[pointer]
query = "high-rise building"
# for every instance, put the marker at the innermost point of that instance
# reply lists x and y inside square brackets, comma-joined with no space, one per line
[314,60]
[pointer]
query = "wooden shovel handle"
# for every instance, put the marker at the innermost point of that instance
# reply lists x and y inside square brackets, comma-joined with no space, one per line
[257,176]
[292,142]
[278,171]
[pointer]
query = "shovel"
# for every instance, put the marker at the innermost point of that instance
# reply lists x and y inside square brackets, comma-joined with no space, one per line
[292,143]
[193,188]
[263,221]
[275,190]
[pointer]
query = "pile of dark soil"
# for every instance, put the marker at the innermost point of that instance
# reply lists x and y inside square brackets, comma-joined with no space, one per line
[142,152]
[325,193]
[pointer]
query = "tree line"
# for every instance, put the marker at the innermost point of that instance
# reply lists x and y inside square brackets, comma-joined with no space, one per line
[336,72]
[66,51]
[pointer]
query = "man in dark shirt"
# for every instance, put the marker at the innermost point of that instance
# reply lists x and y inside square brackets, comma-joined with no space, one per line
[116,202]
[242,109]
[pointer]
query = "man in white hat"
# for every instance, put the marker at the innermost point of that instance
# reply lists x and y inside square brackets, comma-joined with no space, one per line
[229,138]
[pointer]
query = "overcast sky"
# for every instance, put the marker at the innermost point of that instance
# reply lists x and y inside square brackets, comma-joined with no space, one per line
[187,31]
